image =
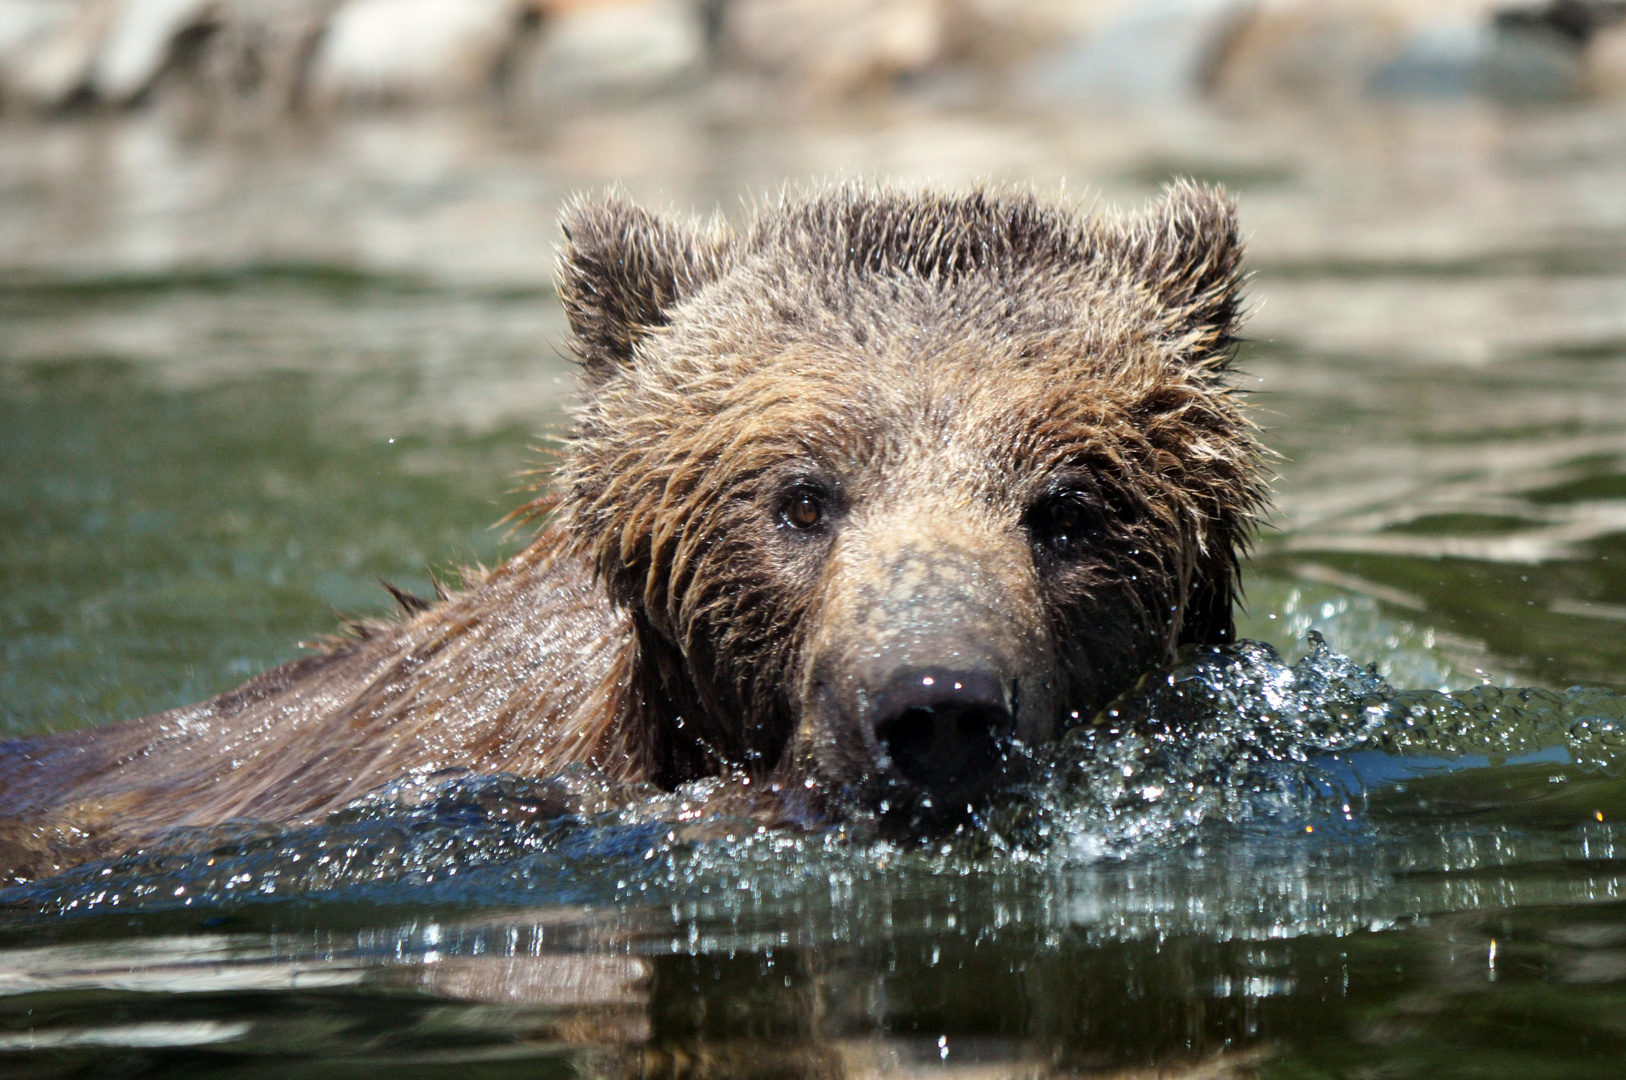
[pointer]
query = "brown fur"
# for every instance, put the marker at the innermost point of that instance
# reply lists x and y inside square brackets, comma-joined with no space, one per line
[942,371]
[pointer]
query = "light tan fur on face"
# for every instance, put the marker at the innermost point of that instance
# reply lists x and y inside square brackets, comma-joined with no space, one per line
[916,588]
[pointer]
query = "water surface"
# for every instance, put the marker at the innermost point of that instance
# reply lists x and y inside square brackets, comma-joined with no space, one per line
[216,434]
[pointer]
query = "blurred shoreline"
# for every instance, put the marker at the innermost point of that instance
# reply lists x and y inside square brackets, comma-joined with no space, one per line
[250,62]
[433,141]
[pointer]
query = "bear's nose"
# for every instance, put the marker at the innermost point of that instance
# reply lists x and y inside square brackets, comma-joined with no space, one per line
[945,731]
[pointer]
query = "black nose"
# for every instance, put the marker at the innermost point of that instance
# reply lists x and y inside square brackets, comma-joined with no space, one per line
[947,732]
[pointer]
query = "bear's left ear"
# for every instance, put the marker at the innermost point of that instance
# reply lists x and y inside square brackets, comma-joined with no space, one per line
[1187,251]
[621,272]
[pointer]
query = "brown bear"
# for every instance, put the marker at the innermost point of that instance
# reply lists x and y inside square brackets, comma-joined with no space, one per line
[859,501]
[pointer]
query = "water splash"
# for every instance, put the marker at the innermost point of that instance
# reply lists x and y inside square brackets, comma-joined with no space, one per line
[1234,735]
[1228,741]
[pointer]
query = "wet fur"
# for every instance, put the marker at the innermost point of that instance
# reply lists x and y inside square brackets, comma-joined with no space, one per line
[944,358]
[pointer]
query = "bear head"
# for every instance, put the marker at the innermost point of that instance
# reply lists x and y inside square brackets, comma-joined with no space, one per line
[894,484]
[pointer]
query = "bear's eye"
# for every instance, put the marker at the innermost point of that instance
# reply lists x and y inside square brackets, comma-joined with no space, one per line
[1062,522]
[803,510]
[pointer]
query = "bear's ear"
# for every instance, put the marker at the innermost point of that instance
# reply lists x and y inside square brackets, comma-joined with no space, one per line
[621,272]
[1187,251]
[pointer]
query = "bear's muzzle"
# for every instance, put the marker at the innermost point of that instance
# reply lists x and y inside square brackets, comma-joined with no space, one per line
[931,663]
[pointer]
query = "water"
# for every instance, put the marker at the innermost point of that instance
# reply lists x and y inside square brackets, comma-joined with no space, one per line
[211,441]
[1317,872]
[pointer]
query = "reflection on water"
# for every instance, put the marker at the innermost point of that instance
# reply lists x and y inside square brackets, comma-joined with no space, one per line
[210,440]
[947,989]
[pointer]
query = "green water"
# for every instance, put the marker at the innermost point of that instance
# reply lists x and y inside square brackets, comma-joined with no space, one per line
[175,520]
[199,470]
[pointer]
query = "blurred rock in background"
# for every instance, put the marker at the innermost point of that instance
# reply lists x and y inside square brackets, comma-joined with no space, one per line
[264,57]
[397,51]
[1151,51]
[599,48]
[832,44]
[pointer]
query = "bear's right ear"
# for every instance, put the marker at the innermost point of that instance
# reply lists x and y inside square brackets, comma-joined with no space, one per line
[1187,252]
[623,269]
